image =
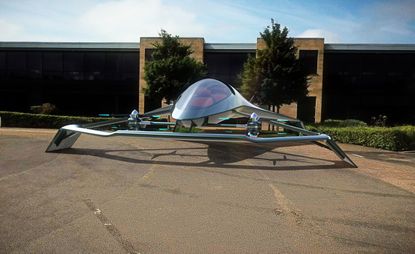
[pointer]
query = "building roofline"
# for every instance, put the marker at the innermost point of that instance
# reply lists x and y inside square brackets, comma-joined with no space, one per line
[208,47]
[72,45]
[367,47]
[309,38]
[157,37]
[230,47]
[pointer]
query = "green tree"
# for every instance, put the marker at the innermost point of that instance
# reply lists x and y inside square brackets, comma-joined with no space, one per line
[275,76]
[171,68]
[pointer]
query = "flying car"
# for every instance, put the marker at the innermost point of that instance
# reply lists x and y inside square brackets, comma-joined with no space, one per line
[206,103]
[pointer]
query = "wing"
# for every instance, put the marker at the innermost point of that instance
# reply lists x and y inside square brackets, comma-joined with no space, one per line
[160,111]
[247,110]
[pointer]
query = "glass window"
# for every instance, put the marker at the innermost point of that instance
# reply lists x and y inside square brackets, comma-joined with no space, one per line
[132,76]
[37,76]
[94,61]
[73,61]
[147,54]
[52,61]
[306,109]
[308,59]
[129,62]
[112,62]
[34,64]
[225,66]
[73,75]
[73,65]
[16,64]
[16,61]
[365,84]
[2,60]
[2,64]
[94,65]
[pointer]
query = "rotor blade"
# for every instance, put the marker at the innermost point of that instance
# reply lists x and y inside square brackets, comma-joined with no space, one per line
[160,111]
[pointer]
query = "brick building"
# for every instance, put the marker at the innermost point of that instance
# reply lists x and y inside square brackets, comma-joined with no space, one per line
[347,80]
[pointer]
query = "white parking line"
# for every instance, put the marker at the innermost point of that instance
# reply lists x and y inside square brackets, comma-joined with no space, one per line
[357,155]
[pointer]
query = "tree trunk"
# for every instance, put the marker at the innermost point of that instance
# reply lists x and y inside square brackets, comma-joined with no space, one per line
[278,111]
[273,110]
[270,109]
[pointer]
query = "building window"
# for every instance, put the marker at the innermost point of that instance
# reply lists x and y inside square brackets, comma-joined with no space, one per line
[225,66]
[306,109]
[73,65]
[2,60]
[34,64]
[308,59]
[148,54]
[52,61]
[94,65]
[2,64]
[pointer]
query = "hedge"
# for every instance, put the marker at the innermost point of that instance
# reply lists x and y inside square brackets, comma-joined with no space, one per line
[343,123]
[26,120]
[393,138]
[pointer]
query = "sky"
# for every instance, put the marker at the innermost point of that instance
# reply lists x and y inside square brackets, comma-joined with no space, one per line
[218,21]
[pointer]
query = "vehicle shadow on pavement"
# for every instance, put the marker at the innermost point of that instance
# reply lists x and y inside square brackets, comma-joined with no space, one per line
[224,155]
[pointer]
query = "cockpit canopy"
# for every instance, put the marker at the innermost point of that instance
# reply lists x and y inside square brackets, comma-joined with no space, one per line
[203,98]
[216,100]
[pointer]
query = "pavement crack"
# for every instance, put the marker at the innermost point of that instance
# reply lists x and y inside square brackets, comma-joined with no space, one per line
[286,207]
[111,228]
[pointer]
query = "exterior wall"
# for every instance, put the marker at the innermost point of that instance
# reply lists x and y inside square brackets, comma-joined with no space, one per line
[79,79]
[197,45]
[316,81]
[361,82]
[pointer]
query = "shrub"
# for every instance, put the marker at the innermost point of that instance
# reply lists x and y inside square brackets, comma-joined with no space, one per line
[395,138]
[379,121]
[16,119]
[343,123]
[45,108]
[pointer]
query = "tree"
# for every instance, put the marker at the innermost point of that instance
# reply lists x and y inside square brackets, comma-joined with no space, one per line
[275,76]
[171,68]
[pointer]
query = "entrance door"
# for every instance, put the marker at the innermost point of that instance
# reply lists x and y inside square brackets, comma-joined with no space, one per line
[306,109]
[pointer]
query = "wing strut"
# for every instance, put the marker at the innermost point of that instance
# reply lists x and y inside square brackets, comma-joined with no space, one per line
[329,142]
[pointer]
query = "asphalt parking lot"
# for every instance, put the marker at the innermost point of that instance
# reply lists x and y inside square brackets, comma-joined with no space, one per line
[129,195]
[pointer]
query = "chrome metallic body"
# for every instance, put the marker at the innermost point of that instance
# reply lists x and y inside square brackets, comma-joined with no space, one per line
[216,100]
[206,102]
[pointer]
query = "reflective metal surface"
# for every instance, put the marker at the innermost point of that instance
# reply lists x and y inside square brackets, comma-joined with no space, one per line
[209,97]
[206,102]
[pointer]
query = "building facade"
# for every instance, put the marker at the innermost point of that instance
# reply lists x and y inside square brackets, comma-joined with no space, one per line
[79,78]
[346,80]
[362,81]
